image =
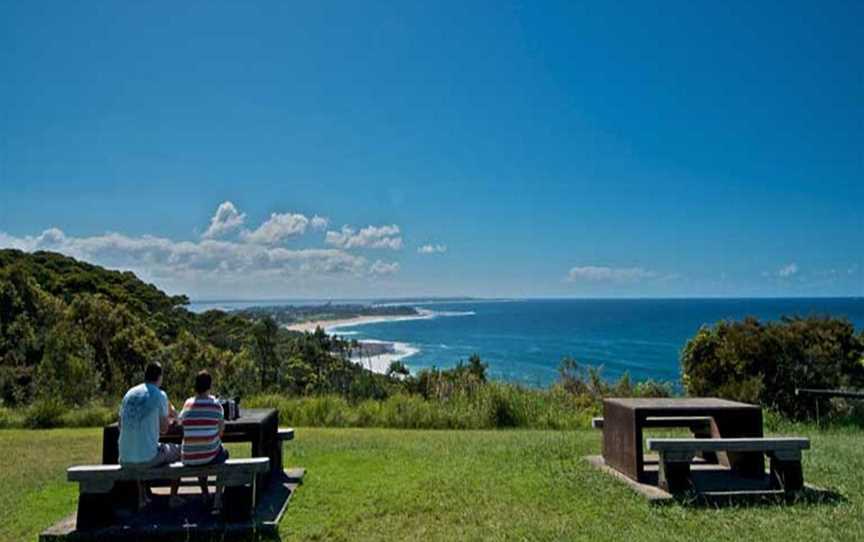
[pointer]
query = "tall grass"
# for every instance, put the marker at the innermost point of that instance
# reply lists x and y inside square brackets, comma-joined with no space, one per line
[46,413]
[441,400]
[494,405]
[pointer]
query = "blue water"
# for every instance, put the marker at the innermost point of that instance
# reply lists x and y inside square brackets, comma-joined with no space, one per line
[524,341]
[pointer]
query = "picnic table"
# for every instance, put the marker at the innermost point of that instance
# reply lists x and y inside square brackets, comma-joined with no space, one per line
[624,420]
[827,394]
[260,426]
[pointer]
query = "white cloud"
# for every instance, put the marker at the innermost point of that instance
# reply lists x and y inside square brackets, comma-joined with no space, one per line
[432,249]
[277,228]
[384,268]
[226,220]
[228,257]
[593,273]
[208,259]
[787,270]
[368,237]
[319,222]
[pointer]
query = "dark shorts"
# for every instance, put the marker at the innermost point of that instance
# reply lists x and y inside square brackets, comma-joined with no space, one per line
[221,457]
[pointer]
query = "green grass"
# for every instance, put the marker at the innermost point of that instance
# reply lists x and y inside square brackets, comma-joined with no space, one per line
[385,484]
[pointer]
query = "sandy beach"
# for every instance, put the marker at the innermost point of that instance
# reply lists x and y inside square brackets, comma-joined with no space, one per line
[394,351]
[378,363]
[330,325]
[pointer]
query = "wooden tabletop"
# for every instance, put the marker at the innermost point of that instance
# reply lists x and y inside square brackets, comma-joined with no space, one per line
[248,416]
[683,403]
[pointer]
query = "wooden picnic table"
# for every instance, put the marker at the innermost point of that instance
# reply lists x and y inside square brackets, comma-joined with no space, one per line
[624,420]
[260,426]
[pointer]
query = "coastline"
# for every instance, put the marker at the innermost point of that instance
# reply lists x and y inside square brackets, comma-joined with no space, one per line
[390,351]
[329,325]
[377,363]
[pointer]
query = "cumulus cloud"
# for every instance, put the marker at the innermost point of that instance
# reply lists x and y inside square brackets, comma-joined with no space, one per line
[368,237]
[787,270]
[384,268]
[226,220]
[432,249]
[319,222]
[205,259]
[277,228]
[593,273]
[227,253]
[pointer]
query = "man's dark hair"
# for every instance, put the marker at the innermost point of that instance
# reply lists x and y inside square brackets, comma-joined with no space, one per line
[203,381]
[152,372]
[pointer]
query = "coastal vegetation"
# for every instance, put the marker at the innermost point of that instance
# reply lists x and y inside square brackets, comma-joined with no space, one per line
[764,362]
[74,337]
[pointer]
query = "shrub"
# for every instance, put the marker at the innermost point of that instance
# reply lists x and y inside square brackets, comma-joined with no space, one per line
[93,415]
[653,388]
[44,413]
[10,419]
[764,363]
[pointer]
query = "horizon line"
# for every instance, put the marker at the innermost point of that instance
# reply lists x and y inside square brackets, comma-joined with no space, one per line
[514,298]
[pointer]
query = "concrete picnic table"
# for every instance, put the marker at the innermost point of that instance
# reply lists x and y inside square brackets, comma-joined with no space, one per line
[260,426]
[624,420]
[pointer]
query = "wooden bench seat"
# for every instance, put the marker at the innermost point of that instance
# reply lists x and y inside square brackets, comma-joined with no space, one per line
[676,454]
[97,482]
[285,433]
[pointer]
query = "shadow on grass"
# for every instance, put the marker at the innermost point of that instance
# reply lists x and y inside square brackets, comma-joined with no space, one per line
[809,496]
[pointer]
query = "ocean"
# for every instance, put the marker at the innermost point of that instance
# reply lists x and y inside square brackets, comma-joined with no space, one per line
[524,341]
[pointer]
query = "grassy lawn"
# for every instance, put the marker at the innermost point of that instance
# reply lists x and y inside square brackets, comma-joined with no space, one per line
[371,484]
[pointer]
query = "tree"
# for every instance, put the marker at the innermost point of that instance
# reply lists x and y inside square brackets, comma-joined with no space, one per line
[263,350]
[398,369]
[67,370]
[764,363]
[477,368]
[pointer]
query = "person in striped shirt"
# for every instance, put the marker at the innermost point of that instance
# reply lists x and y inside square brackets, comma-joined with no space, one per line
[203,424]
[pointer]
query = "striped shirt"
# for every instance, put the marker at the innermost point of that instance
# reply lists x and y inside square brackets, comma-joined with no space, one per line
[200,418]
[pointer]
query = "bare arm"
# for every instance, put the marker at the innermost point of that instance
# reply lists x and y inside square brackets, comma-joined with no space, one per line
[165,421]
[164,424]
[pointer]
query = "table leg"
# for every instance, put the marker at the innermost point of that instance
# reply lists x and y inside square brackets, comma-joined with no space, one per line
[622,440]
[743,424]
[110,445]
[261,449]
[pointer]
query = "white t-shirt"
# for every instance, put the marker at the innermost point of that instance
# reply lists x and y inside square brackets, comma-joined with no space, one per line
[140,411]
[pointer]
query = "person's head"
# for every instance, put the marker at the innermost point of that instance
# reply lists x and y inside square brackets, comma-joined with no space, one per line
[203,381]
[153,373]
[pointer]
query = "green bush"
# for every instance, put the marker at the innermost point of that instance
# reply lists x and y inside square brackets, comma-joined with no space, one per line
[44,413]
[764,363]
[10,419]
[92,415]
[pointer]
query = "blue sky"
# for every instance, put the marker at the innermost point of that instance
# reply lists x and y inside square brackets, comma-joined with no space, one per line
[537,149]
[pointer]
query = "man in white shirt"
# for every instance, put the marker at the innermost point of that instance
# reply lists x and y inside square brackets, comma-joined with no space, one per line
[145,413]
